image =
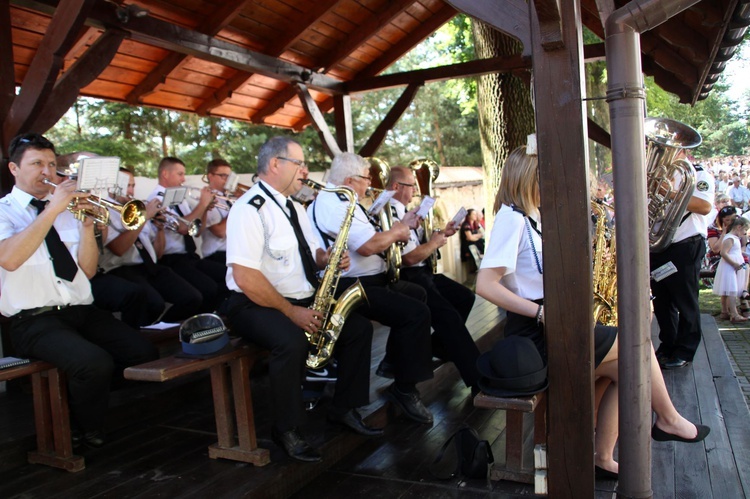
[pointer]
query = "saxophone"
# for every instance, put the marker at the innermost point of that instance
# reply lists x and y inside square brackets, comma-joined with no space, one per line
[604,266]
[334,312]
[426,171]
[380,171]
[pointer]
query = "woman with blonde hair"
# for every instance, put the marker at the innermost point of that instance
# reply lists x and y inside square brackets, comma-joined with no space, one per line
[511,277]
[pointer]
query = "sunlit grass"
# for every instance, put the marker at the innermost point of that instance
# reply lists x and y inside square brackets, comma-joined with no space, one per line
[709,302]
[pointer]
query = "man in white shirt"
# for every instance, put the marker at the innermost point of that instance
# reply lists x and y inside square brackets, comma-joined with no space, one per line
[676,304]
[739,193]
[46,259]
[272,257]
[450,303]
[132,255]
[215,236]
[179,247]
[400,306]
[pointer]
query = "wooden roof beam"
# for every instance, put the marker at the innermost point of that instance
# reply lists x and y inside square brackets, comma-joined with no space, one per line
[279,47]
[364,32]
[398,109]
[211,26]
[83,72]
[442,16]
[509,16]
[60,36]
[168,36]
[460,70]
[7,70]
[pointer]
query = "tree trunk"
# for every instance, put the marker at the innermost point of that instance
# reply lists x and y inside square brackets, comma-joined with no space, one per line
[506,115]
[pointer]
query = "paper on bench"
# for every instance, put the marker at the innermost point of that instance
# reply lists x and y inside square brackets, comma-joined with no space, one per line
[161,325]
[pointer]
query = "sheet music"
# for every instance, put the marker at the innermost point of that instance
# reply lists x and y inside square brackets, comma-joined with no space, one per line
[96,174]
[379,203]
[459,217]
[425,206]
[174,195]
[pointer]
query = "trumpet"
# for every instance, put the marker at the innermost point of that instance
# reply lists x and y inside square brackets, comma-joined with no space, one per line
[172,222]
[225,201]
[132,213]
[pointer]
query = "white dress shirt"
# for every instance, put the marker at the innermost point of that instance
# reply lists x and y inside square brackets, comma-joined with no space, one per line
[211,243]
[696,223]
[415,235]
[326,214]
[174,242]
[34,284]
[263,239]
[109,261]
[510,247]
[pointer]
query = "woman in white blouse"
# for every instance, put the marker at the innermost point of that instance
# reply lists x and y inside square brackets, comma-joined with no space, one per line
[511,277]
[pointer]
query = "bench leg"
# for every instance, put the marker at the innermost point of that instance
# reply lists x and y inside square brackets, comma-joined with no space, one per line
[516,453]
[247,450]
[52,420]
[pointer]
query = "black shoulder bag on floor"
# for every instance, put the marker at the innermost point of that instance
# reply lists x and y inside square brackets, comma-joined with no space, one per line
[473,456]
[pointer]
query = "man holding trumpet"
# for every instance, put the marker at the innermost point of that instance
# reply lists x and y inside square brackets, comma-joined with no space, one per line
[46,259]
[132,255]
[215,236]
[207,276]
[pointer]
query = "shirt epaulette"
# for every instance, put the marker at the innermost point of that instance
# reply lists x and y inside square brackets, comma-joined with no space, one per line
[698,168]
[342,196]
[257,201]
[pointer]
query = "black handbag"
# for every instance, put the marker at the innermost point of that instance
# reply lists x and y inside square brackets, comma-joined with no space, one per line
[473,456]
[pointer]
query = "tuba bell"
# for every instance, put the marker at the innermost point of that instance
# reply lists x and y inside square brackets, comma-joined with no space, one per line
[669,181]
[380,172]
[426,171]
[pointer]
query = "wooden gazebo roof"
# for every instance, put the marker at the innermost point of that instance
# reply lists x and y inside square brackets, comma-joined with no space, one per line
[237,58]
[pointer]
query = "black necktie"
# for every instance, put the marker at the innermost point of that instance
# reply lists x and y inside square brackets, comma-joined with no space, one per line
[62,261]
[189,242]
[148,262]
[308,261]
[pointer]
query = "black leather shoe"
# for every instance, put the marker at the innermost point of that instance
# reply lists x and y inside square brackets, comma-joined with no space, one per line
[76,438]
[295,446]
[662,357]
[352,420]
[94,439]
[674,363]
[662,436]
[386,370]
[410,404]
[602,474]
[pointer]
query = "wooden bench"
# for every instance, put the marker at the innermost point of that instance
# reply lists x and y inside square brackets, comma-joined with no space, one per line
[230,379]
[519,458]
[51,416]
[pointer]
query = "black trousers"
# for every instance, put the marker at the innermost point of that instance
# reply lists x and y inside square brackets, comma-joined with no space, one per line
[207,276]
[676,298]
[115,294]
[89,345]
[450,304]
[159,286]
[402,308]
[270,329]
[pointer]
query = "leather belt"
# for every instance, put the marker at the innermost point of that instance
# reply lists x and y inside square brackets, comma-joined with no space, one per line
[31,312]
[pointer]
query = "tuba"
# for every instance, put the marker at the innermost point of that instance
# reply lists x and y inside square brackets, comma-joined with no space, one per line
[604,266]
[380,172]
[669,181]
[426,172]
[334,312]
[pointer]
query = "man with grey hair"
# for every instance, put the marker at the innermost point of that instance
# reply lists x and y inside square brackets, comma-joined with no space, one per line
[400,306]
[273,258]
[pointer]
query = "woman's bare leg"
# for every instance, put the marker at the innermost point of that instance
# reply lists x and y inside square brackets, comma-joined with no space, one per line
[606,427]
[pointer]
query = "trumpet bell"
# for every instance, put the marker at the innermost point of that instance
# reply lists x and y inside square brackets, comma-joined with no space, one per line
[133,214]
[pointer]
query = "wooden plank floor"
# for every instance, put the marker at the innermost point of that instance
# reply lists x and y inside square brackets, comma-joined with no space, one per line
[159,433]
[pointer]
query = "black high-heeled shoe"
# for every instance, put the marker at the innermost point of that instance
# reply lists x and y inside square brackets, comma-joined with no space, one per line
[662,436]
[603,474]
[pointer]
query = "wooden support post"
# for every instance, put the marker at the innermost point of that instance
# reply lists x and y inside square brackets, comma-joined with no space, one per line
[318,121]
[378,136]
[561,136]
[342,109]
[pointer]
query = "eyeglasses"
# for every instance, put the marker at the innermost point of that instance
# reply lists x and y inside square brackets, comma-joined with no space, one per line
[413,186]
[368,178]
[223,176]
[297,162]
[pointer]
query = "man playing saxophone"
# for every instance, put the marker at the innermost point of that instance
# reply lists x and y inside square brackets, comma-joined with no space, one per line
[449,302]
[273,259]
[401,305]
